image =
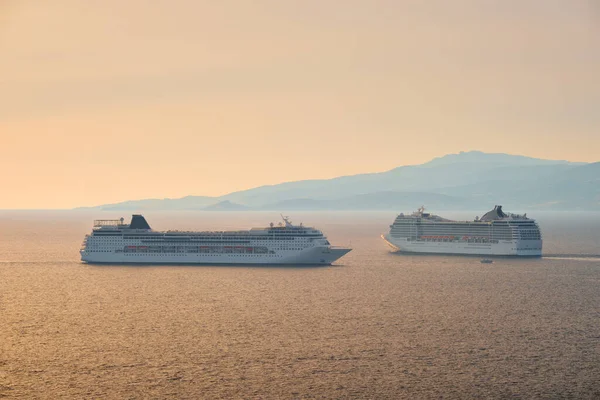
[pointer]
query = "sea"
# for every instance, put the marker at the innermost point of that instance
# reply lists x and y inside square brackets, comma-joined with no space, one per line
[375,325]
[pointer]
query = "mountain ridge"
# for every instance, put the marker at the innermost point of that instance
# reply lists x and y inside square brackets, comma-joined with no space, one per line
[454,181]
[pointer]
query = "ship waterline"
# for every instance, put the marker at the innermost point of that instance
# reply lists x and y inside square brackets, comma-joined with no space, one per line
[114,242]
[496,233]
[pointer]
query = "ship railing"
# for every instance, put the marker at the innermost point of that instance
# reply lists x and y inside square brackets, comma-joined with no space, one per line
[107,222]
[518,216]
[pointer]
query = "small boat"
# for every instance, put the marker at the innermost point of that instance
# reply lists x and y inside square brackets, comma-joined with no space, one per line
[486,261]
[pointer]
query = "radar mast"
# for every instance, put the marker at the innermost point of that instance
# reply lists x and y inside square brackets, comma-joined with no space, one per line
[287,221]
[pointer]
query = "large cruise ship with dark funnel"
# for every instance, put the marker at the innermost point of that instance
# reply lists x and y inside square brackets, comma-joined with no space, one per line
[495,233]
[115,242]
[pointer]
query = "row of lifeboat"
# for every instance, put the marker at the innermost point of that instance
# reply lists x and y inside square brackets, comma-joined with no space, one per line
[201,247]
[451,237]
[438,237]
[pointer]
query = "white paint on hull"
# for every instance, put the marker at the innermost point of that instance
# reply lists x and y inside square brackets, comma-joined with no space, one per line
[311,256]
[527,248]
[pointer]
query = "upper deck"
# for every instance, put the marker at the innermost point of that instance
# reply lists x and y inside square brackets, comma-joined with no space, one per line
[494,216]
[139,226]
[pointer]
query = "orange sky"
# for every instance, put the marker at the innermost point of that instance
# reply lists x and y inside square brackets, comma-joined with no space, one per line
[106,100]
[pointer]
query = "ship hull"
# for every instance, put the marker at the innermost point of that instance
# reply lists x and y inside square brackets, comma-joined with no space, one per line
[313,256]
[520,248]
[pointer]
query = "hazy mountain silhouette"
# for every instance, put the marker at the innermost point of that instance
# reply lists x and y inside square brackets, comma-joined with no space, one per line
[468,180]
[186,203]
[226,205]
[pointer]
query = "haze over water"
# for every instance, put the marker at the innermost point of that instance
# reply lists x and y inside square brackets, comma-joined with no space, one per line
[375,325]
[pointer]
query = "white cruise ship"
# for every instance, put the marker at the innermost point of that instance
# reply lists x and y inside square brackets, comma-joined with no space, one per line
[496,233]
[114,242]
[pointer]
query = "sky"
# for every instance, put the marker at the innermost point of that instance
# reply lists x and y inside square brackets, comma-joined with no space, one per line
[108,100]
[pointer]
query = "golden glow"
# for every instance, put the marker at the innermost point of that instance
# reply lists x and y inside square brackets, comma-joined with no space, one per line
[104,101]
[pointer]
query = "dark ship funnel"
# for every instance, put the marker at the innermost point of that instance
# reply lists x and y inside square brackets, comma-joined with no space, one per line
[138,222]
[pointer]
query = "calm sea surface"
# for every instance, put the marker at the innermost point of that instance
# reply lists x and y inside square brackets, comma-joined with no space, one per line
[375,325]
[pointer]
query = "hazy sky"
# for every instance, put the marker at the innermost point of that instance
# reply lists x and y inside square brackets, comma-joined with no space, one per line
[110,100]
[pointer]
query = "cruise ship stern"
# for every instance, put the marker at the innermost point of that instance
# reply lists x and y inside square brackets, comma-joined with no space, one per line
[496,233]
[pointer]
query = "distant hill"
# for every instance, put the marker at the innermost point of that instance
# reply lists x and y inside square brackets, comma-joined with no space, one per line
[184,203]
[467,180]
[493,158]
[225,205]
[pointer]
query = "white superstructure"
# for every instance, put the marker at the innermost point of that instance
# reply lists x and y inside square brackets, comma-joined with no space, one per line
[114,242]
[496,233]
